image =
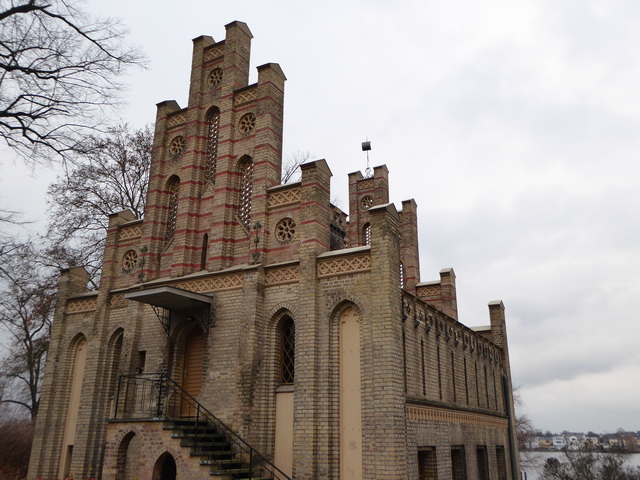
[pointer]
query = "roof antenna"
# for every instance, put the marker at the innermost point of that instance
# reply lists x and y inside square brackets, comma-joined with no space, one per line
[366,146]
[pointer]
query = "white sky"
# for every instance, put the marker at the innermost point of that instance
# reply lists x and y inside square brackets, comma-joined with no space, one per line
[514,125]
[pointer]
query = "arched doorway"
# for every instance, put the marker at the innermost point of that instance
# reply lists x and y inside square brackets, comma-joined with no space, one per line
[128,457]
[165,468]
[283,454]
[193,368]
[350,397]
[73,409]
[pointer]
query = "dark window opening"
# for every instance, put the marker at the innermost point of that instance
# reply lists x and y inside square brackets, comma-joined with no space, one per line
[501,462]
[483,463]
[427,464]
[458,463]
[288,355]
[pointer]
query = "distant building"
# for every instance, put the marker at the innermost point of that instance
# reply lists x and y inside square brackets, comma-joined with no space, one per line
[246,327]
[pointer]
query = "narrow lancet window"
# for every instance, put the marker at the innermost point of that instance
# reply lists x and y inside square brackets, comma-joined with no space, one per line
[246,191]
[366,233]
[213,129]
[173,191]
[288,356]
[203,254]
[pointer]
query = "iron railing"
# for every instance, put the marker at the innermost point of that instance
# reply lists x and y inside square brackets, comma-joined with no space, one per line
[157,396]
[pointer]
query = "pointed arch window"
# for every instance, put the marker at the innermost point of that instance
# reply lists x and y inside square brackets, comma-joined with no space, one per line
[203,255]
[245,191]
[288,351]
[213,131]
[173,191]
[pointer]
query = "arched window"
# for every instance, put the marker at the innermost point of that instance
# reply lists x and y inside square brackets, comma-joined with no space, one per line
[173,190]
[288,351]
[203,255]
[366,233]
[213,129]
[245,191]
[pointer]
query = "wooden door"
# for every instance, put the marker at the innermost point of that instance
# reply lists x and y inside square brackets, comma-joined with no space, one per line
[193,369]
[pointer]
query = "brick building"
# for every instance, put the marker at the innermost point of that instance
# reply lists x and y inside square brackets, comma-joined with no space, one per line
[244,325]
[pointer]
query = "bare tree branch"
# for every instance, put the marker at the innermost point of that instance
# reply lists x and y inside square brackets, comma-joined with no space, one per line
[26,309]
[110,174]
[59,72]
[291,166]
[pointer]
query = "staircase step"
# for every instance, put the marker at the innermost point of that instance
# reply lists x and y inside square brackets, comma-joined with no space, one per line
[219,454]
[200,437]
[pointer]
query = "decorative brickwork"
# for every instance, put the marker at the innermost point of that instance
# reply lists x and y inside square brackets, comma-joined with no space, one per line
[176,120]
[282,275]
[244,97]
[130,232]
[213,284]
[341,266]
[213,53]
[81,305]
[117,301]
[421,413]
[284,197]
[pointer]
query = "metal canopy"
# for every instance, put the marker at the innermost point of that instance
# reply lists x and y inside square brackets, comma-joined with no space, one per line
[172,299]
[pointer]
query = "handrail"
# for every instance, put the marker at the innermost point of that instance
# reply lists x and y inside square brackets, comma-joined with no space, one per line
[154,402]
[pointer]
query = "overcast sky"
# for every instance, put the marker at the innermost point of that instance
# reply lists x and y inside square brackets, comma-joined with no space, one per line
[514,125]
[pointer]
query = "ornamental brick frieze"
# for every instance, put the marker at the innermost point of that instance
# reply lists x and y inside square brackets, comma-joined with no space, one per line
[117,301]
[81,305]
[365,184]
[212,53]
[129,232]
[284,197]
[430,291]
[283,275]
[245,96]
[339,266]
[212,284]
[421,413]
[175,120]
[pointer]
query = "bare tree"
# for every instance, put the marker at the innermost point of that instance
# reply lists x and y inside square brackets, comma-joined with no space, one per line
[589,466]
[291,166]
[26,308]
[59,71]
[109,175]
[15,447]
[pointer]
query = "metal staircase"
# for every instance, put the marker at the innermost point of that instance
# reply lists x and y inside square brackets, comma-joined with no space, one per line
[223,451]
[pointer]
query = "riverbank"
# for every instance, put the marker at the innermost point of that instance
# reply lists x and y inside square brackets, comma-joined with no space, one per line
[533,462]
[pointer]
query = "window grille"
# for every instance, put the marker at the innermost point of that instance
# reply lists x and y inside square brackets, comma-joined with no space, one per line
[427,464]
[288,345]
[366,233]
[203,255]
[246,191]
[501,462]
[213,129]
[173,190]
[458,463]
[483,462]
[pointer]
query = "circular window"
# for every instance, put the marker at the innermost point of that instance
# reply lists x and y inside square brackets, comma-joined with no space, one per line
[129,261]
[286,230]
[246,124]
[367,202]
[215,77]
[177,145]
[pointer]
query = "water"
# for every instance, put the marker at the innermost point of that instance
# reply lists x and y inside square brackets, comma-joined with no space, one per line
[532,462]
